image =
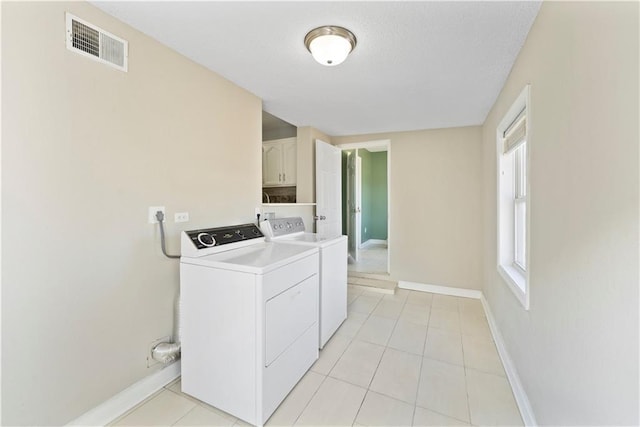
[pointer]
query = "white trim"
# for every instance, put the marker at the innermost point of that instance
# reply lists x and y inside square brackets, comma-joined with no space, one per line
[372,289]
[367,144]
[1,258]
[117,405]
[358,204]
[442,290]
[514,280]
[372,242]
[389,207]
[363,275]
[370,144]
[522,400]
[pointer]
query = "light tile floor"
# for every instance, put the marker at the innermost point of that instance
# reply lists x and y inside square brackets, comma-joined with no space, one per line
[371,259]
[407,359]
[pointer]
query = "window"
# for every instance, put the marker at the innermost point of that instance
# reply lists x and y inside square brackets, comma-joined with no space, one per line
[512,141]
[520,208]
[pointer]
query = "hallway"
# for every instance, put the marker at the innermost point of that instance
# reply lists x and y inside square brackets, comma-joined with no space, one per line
[373,258]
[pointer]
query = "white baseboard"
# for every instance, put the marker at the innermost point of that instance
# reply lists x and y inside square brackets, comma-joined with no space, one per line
[370,242]
[443,290]
[522,400]
[111,409]
[526,411]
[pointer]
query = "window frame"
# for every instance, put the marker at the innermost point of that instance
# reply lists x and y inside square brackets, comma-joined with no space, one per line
[520,198]
[512,191]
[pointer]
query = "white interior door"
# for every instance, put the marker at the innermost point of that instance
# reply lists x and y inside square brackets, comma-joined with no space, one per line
[328,189]
[352,205]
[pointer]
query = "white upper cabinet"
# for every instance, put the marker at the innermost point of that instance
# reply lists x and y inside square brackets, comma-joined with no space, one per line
[279,162]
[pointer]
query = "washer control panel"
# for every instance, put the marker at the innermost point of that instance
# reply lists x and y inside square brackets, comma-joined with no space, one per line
[283,226]
[213,237]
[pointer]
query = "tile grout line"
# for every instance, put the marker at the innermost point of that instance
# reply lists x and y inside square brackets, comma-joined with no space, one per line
[310,399]
[464,366]
[135,408]
[341,353]
[413,416]
[379,362]
[374,372]
[188,412]
[201,404]
[354,338]
[448,363]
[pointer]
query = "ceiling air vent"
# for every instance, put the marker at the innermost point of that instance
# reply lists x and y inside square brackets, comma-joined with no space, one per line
[93,42]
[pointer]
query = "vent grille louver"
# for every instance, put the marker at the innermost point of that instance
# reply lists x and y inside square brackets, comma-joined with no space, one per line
[93,42]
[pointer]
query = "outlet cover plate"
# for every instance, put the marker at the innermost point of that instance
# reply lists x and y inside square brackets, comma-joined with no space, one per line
[152,214]
[181,217]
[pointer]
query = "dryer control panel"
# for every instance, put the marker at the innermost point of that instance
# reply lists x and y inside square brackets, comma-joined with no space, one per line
[213,237]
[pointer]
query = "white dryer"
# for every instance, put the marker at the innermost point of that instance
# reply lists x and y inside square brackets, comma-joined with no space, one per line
[333,268]
[249,319]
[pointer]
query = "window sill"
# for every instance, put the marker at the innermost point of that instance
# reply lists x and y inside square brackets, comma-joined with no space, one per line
[517,282]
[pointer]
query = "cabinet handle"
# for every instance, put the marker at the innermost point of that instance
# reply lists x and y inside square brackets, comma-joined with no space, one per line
[279,177]
[284,179]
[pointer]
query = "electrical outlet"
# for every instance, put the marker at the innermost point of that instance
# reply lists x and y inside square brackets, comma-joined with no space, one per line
[258,211]
[181,217]
[152,213]
[151,362]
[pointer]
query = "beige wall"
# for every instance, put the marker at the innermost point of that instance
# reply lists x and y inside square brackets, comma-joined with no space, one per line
[576,349]
[435,205]
[306,165]
[85,150]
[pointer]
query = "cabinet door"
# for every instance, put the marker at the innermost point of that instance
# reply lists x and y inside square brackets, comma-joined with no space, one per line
[271,164]
[289,162]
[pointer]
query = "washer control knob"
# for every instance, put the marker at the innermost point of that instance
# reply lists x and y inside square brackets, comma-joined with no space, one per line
[206,239]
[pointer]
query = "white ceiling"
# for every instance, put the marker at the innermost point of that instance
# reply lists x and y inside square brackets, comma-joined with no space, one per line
[417,65]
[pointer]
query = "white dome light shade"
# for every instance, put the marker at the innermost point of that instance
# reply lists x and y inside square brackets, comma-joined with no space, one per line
[330,50]
[330,45]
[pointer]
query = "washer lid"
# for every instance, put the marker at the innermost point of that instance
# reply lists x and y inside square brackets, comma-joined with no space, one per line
[258,258]
[311,239]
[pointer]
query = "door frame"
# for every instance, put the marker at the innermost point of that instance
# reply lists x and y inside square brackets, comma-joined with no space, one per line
[386,143]
[358,204]
[350,203]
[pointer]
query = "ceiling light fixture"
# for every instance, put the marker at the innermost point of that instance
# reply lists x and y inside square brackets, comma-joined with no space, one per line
[330,45]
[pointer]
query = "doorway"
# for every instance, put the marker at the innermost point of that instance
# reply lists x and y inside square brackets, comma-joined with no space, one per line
[365,206]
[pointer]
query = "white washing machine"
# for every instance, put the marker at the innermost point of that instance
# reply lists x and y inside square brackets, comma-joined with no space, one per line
[249,319]
[333,268]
